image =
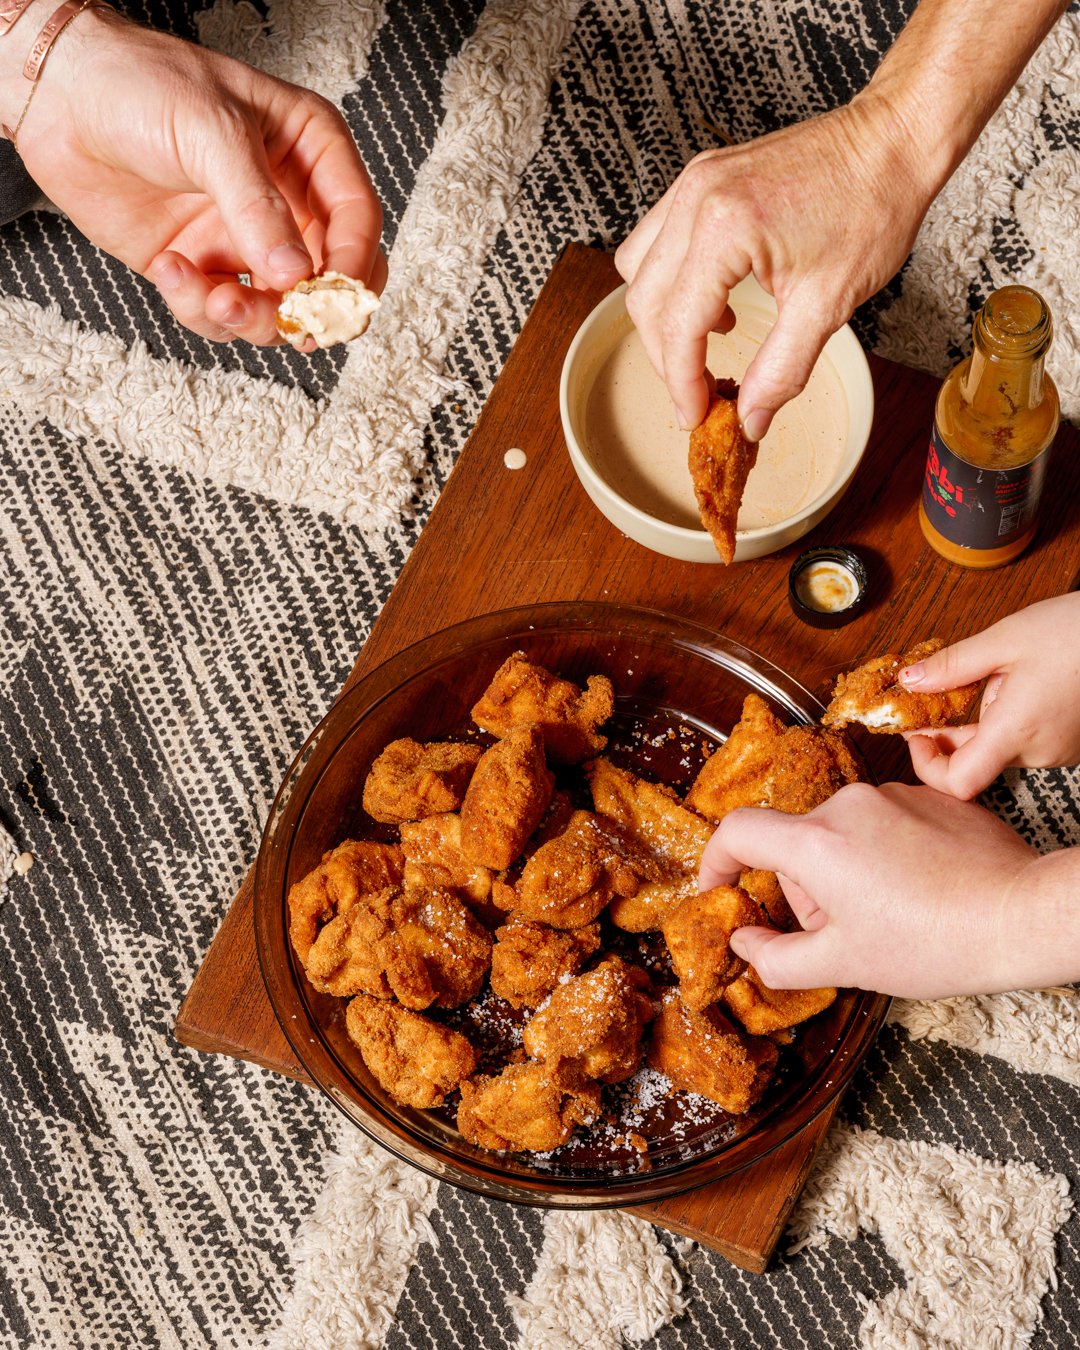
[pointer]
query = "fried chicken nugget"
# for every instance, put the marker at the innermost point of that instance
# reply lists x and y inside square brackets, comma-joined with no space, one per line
[765,763]
[720,462]
[409,780]
[870,696]
[530,959]
[506,799]
[524,694]
[434,857]
[764,1011]
[569,880]
[420,947]
[414,1059]
[652,815]
[764,888]
[353,869]
[592,1025]
[698,934]
[525,1109]
[703,1052]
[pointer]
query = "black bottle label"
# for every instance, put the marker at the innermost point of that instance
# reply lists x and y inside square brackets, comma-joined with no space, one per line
[977,507]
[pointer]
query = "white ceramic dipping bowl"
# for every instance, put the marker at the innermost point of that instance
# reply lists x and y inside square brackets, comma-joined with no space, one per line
[845,379]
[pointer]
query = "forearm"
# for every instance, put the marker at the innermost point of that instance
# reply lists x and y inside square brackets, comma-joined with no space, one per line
[1045,922]
[945,75]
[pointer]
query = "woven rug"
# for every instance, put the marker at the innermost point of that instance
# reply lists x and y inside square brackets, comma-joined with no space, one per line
[194,542]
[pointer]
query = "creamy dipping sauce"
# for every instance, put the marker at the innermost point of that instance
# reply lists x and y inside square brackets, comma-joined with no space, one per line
[637,447]
[826,586]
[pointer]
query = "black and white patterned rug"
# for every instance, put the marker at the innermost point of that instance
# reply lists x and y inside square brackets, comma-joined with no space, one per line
[194,541]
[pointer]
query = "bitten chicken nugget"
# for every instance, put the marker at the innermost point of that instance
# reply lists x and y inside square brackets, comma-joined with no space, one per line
[409,781]
[506,800]
[530,959]
[524,1108]
[420,947]
[524,694]
[870,696]
[331,308]
[764,763]
[720,462]
[652,815]
[702,1052]
[414,1059]
[764,1011]
[345,874]
[569,880]
[433,857]
[592,1025]
[698,935]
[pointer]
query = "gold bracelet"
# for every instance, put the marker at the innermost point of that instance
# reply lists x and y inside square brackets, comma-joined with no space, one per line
[58,21]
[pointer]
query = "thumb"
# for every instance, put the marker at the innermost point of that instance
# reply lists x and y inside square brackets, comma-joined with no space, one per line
[965,662]
[785,960]
[782,365]
[257,218]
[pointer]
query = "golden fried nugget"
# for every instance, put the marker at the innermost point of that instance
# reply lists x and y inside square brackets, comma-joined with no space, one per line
[420,947]
[870,696]
[764,888]
[698,934]
[437,952]
[763,1011]
[720,462]
[569,880]
[417,1061]
[524,694]
[592,1025]
[765,763]
[530,959]
[506,800]
[353,869]
[702,1052]
[524,1108]
[409,780]
[434,857]
[652,815]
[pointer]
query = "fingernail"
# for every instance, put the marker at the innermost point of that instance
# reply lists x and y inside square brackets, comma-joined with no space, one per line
[912,675]
[288,258]
[755,425]
[234,315]
[168,277]
[684,422]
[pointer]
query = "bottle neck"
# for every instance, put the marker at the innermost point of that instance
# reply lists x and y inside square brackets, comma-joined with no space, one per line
[998,386]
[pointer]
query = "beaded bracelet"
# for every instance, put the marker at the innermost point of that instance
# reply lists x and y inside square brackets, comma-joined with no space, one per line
[58,21]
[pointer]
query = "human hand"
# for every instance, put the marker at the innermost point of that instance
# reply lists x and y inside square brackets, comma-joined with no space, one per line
[191,168]
[822,213]
[898,889]
[1029,716]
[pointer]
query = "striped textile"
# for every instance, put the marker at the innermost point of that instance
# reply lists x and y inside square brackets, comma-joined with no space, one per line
[194,542]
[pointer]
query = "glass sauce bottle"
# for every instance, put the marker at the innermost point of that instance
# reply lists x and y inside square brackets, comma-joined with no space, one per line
[995,420]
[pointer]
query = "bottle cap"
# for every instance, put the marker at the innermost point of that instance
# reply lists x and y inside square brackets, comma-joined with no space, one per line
[827,586]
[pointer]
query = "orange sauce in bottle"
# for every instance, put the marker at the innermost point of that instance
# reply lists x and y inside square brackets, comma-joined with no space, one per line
[995,421]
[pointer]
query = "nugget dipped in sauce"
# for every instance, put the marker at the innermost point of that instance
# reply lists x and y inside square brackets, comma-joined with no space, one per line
[720,462]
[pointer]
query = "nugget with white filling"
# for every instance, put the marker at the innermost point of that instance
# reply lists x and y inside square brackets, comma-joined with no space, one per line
[417,1061]
[870,696]
[702,1052]
[410,781]
[524,694]
[329,309]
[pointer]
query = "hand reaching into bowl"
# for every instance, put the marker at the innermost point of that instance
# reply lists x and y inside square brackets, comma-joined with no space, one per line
[822,213]
[191,168]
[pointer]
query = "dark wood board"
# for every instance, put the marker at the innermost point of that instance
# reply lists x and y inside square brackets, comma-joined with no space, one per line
[498,538]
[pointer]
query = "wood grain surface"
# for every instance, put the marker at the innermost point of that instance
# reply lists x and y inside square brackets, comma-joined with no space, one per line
[498,538]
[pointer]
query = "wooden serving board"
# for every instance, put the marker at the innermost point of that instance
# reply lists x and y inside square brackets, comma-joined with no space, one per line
[499,538]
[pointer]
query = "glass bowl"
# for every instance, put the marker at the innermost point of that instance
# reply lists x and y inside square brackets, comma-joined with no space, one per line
[666,672]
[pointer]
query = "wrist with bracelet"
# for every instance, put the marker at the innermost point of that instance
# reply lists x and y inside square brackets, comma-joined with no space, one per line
[10,13]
